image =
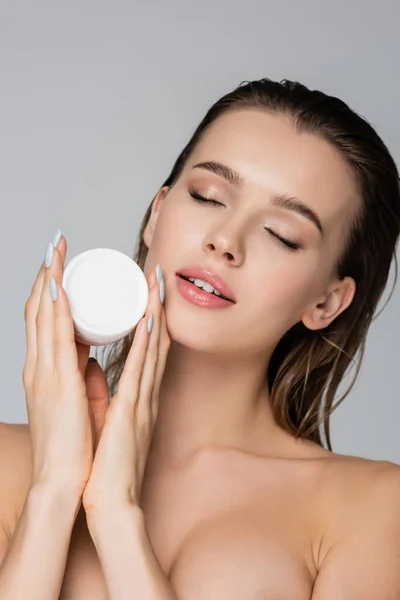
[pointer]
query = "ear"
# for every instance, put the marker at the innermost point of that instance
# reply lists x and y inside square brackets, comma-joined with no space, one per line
[155,209]
[338,298]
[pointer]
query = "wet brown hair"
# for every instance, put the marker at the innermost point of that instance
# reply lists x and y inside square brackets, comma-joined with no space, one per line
[308,366]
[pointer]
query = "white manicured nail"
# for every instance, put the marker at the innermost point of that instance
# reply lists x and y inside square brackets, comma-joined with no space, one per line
[48,259]
[150,323]
[56,238]
[159,273]
[53,288]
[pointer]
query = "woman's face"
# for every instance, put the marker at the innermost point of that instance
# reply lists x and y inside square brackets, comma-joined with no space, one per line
[274,286]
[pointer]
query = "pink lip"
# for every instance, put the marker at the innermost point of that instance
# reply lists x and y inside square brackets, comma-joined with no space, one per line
[215,280]
[196,295]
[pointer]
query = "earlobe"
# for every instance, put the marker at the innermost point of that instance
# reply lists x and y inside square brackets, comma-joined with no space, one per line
[155,209]
[148,234]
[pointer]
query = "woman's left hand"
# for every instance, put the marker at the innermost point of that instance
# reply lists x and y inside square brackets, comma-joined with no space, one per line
[124,427]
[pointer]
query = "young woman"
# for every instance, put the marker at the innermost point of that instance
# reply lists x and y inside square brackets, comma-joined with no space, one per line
[266,250]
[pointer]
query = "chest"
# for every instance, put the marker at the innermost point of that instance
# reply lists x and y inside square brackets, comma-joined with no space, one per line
[217,533]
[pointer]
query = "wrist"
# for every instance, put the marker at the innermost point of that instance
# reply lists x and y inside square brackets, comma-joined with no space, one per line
[49,495]
[112,520]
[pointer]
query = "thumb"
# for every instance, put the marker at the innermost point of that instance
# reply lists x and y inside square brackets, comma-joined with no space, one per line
[97,393]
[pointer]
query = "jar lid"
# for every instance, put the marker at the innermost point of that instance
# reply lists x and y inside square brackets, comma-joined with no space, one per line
[107,291]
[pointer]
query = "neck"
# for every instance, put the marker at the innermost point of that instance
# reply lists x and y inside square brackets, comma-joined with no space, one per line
[210,400]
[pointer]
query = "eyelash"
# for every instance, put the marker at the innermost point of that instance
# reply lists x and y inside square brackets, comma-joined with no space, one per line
[287,243]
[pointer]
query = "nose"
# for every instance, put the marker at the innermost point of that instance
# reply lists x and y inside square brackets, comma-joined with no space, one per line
[226,244]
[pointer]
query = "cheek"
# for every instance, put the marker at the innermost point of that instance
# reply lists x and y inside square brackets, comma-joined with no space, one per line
[279,298]
[176,234]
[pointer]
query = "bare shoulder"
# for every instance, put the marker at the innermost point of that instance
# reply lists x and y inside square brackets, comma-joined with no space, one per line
[15,471]
[360,501]
[349,476]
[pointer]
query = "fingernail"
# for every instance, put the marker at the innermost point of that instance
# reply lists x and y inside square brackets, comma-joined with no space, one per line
[53,289]
[162,291]
[56,238]
[150,323]
[92,359]
[48,259]
[159,273]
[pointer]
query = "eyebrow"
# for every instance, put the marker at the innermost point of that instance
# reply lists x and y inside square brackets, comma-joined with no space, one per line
[279,200]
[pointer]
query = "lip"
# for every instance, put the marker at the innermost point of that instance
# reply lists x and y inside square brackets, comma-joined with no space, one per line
[215,280]
[190,292]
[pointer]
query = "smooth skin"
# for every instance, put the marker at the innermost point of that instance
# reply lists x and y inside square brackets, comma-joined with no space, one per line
[70,419]
[234,506]
[53,378]
[64,432]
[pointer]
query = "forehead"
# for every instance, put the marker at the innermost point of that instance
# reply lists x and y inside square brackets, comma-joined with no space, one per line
[273,157]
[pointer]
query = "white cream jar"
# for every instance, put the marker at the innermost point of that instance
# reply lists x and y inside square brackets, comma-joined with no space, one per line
[108,295]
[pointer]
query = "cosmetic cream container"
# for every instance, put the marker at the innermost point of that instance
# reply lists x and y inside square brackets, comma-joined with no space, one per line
[108,294]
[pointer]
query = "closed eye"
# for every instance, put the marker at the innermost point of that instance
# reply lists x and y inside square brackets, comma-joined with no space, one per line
[201,198]
[287,243]
[284,241]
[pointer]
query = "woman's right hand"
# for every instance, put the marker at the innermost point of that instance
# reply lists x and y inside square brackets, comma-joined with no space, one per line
[54,381]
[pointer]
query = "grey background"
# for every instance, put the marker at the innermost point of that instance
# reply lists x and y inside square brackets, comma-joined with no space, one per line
[97,100]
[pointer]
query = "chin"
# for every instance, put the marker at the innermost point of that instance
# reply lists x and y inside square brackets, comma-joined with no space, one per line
[190,330]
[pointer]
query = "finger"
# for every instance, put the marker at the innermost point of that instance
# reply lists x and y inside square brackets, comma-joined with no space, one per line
[65,347]
[163,348]
[130,380]
[32,307]
[129,383]
[62,248]
[83,351]
[45,314]
[149,368]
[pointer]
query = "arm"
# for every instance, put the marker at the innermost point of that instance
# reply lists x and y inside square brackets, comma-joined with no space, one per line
[35,563]
[111,498]
[130,566]
[365,563]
